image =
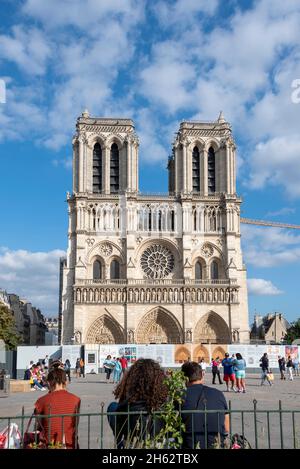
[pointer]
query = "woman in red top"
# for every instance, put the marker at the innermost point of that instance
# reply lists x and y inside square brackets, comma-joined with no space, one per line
[59,430]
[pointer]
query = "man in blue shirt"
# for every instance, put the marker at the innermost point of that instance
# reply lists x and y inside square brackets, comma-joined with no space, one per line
[203,430]
[229,375]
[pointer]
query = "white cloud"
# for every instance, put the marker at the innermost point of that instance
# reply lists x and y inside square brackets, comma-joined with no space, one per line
[282,211]
[32,275]
[261,287]
[28,48]
[270,247]
[182,12]
[83,14]
[277,162]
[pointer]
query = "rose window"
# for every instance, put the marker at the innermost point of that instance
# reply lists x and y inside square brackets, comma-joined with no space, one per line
[157,261]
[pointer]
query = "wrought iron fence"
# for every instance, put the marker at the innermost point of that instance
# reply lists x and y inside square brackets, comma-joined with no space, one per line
[275,428]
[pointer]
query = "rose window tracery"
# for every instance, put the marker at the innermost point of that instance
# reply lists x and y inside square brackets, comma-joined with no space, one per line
[157,261]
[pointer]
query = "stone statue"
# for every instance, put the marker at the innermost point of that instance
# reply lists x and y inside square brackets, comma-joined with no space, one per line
[130,336]
[77,337]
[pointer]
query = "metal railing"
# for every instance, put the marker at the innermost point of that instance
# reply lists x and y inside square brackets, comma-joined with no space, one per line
[262,428]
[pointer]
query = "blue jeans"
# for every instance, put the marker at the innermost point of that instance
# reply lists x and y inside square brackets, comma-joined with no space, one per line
[36,383]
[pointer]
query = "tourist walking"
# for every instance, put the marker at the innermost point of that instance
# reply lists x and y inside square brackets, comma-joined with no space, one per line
[60,431]
[215,368]
[67,368]
[81,364]
[240,372]
[77,367]
[296,366]
[229,375]
[281,364]
[289,366]
[124,364]
[117,371]
[108,366]
[200,397]
[265,371]
[203,366]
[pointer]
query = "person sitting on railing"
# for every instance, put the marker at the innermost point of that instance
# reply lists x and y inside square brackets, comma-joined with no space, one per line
[200,397]
[142,389]
[58,430]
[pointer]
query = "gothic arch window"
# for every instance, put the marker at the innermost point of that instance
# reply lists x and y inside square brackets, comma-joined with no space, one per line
[196,169]
[159,220]
[115,270]
[97,168]
[114,168]
[198,271]
[97,270]
[172,220]
[214,270]
[211,170]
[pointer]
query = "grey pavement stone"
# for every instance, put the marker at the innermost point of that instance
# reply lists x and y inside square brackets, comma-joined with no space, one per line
[93,390]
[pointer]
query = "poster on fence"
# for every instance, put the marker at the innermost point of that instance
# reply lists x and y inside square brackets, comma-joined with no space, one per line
[292,351]
[71,352]
[162,353]
[118,351]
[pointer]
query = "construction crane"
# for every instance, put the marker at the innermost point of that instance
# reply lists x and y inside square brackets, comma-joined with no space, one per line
[276,224]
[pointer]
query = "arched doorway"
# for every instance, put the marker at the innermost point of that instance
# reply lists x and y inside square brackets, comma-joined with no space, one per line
[182,355]
[105,330]
[218,352]
[200,352]
[159,326]
[211,329]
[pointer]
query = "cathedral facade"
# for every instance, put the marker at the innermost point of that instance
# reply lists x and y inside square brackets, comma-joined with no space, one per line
[153,269]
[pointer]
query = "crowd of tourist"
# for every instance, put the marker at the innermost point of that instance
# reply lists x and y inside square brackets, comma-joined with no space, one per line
[141,387]
[116,367]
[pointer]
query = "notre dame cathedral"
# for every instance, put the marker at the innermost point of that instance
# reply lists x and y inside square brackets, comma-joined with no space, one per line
[153,269]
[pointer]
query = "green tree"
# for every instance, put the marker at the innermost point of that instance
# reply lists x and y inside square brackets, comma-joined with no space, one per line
[293,332]
[8,331]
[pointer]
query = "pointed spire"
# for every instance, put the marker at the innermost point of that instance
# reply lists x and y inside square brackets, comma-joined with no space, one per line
[221,118]
[85,113]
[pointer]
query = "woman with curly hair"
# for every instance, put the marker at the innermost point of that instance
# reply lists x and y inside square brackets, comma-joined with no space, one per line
[141,391]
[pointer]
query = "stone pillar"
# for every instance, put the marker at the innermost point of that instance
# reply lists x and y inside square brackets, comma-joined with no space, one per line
[106,172]
[80,176]
[205,172]
[228,172]
[184,152]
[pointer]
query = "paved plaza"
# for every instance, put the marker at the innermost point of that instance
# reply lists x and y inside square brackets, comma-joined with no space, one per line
[93,390]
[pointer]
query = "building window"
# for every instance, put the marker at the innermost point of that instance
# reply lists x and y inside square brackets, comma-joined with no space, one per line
[196,170]
[114,168]
[159,220]
[114,270]
[214,270]
[211,169]
[198,271]
[97,270]
[97,168]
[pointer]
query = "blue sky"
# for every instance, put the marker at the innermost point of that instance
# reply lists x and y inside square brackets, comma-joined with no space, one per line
[158,62]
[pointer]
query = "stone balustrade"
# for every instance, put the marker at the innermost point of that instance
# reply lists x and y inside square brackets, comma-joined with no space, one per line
[118,294]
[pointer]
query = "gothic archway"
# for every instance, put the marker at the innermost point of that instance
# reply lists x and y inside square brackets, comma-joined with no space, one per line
[200,352]
[218,352]
[182,354]
[211,329]
[159,326]
[105,330]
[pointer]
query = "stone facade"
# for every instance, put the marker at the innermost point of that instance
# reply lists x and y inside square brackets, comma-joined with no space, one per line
[153,269]
[270,329]
[30,322]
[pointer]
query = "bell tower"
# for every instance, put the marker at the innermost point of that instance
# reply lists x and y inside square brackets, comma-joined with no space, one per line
[203,159]
[105,156]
